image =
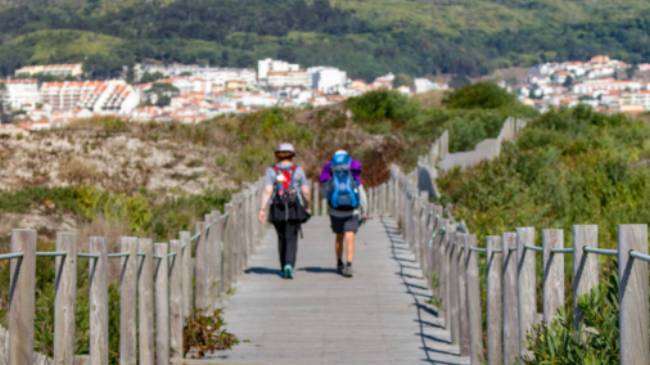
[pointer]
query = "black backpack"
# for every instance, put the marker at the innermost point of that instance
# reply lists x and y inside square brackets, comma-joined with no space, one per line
[286,204]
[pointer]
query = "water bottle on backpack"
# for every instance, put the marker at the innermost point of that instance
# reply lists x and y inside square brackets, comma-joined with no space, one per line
[343,190]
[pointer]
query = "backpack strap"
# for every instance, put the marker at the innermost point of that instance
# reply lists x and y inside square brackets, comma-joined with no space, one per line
[288,174]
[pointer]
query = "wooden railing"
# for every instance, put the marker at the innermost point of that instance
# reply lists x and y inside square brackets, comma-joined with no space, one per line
[449,256]
[161,286]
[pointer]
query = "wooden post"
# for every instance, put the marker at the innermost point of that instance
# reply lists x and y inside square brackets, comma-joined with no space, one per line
[202,281]
[494,300]
[162,303]
[176,318]
[464,334]
[474,303]
[553,278]
[228,251]
[128,296]
[453,312]
[585,266]
[146,303]
[444,269]
[510,315]
[315,199]
[633,295]
[22,297]
[187,268]
[218,285]
[66,298]
[526,285]
[98,302]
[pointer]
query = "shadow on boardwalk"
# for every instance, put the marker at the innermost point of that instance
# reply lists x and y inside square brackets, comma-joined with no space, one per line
[379,317]
[434,340]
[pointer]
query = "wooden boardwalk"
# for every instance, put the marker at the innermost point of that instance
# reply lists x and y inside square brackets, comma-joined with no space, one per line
[378,317]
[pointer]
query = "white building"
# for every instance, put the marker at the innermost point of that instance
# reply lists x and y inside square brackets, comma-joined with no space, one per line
[639,100]
[328,80]
[604,85]
[57,70]
[424,85]
[114,96]
[288,79]
[268,65]
[20,94]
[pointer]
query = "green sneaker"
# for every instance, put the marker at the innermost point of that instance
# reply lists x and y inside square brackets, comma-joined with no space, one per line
[288,272]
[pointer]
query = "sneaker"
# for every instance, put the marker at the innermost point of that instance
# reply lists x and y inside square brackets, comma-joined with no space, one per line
[288,272]
[339,267]
[347,271]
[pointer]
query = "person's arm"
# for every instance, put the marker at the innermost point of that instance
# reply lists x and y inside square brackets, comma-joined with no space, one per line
[267,192]
[305,189]
[363,202]
[266,196]
[306,195]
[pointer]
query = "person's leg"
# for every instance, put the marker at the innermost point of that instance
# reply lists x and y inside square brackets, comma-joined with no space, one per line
[351,228]
[339,246]
[292,244]
[280,229]
[339,252]
[350,240]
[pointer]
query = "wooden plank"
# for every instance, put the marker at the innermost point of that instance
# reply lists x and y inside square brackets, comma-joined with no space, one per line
[22,297]
[146,303]
[187,274]
[202,269]
[494,300]
[633,295]
[475,314]
[315,201]
[463,309]
[228,251]
[511,349]
[128,302]
[98,302]
[453,313]
[585,266]
[161,291]
[553,278]
[66,298]
[526,285]
[176,318]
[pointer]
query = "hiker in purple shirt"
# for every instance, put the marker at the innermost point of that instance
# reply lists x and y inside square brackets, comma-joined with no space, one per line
[355,167]
[347,204]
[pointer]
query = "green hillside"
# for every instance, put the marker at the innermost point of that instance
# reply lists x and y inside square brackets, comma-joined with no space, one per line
[365,37]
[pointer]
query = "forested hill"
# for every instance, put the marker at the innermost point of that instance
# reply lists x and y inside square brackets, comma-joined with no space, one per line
[365,37]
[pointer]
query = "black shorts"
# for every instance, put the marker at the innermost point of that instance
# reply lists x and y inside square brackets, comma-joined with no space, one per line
[344,224]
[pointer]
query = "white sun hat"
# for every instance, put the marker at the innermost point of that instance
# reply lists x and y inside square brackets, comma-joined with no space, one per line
[285,147]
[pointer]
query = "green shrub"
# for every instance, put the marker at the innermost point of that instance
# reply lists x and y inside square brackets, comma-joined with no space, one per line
[594,342]
[206,333]
[481,95]
[468,129]
[380,111]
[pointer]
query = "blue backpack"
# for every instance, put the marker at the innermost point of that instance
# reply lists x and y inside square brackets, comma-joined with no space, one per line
[343,190]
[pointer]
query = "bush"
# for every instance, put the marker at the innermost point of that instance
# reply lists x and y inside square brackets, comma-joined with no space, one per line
[481,95]
[378,110]
[596,340]
[205,333]
[468,129]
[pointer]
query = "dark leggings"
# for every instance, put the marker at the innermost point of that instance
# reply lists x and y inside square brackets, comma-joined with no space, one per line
[287,242]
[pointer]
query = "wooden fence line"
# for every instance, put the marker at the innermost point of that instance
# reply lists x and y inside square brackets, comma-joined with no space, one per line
[449,258]
[156,283]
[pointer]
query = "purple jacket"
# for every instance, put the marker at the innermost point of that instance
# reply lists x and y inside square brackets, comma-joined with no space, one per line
[326,173]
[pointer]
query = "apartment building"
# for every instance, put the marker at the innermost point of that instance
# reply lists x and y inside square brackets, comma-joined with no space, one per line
[20,94]
[57,70]
[96,96]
